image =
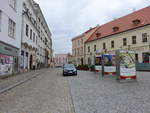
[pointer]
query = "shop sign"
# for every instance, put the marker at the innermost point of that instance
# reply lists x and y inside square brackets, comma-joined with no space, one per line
[6,65]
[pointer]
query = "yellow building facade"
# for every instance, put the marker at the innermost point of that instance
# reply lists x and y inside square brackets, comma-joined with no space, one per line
[137,39]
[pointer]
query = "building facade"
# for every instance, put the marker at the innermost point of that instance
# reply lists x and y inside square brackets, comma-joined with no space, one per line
[78,46]
[60,59]
[36,43]
[30,36]
[44,40]
[131,32]
[10,35]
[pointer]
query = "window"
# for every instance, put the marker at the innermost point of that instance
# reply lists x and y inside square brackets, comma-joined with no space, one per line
[78,42]
[27,30]
[78,51]
[0,19]
[13,4]
[94,47]
[31,34]
[36,39]
[124,42]
[11,28]
[82,41]
[89,49]
[112,44]
[81,50]
[104,45]
[33,37]
[115,29]
[144,37]
[133,39]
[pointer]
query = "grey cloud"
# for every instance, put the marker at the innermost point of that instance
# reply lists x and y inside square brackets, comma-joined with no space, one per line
[68,18]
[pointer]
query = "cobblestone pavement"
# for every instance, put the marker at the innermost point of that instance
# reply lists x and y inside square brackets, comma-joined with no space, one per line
[93,94]
[16,78]
[47,93]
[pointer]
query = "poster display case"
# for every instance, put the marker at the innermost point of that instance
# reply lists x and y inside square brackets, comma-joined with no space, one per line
[126,66]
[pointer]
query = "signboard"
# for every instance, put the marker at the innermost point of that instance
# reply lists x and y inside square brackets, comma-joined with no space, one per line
[127,67]
[109,63]
[6,65]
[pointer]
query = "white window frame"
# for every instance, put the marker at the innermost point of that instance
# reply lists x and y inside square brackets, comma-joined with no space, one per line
[11,28]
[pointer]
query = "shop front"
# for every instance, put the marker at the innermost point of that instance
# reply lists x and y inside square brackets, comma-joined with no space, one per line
[8,59]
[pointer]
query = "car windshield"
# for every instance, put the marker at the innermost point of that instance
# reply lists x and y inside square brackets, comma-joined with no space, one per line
[69,66]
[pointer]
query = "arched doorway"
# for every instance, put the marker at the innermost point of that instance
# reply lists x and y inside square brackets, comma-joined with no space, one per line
[31,61]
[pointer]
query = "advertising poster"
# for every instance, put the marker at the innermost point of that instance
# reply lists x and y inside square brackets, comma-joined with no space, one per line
[127,65]
[98,64]
[6,65]
[109,64]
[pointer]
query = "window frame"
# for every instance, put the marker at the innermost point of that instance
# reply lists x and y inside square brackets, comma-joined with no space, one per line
[124,41]
[11,28]
[104,45]
[144,38]
[134,40]
[112,44]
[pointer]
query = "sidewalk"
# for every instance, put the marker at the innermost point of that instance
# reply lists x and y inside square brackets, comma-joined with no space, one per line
[4,83]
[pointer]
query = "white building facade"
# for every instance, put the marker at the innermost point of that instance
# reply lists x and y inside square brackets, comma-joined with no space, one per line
[36,46]
[30,35]
[10,35]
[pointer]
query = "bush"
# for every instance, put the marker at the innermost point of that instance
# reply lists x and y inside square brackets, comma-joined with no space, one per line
[92,67]
[83,67]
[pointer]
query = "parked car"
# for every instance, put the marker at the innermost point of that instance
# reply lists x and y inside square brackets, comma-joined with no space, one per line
[69,69]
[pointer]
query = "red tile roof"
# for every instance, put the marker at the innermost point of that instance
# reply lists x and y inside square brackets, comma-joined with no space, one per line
[87,32]
[123,24]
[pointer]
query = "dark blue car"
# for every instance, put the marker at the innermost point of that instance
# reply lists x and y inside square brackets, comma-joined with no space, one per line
[69,69]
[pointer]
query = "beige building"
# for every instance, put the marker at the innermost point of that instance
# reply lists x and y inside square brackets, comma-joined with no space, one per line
[78,46]
[129,32]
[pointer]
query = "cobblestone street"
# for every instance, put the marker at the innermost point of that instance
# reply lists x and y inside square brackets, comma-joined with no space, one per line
[50,92]
[47,93]
[93,94]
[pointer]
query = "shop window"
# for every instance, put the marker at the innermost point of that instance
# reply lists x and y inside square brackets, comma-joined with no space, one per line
[144,37]
[133,39]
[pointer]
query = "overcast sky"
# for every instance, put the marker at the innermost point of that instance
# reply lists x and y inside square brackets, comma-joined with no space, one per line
[69,18]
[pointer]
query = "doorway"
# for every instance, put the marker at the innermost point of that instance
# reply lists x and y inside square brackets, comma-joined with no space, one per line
[31,61]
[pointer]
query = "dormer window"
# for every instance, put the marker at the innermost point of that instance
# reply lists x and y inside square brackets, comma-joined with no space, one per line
[115,29]
[136,21]
[98,34]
